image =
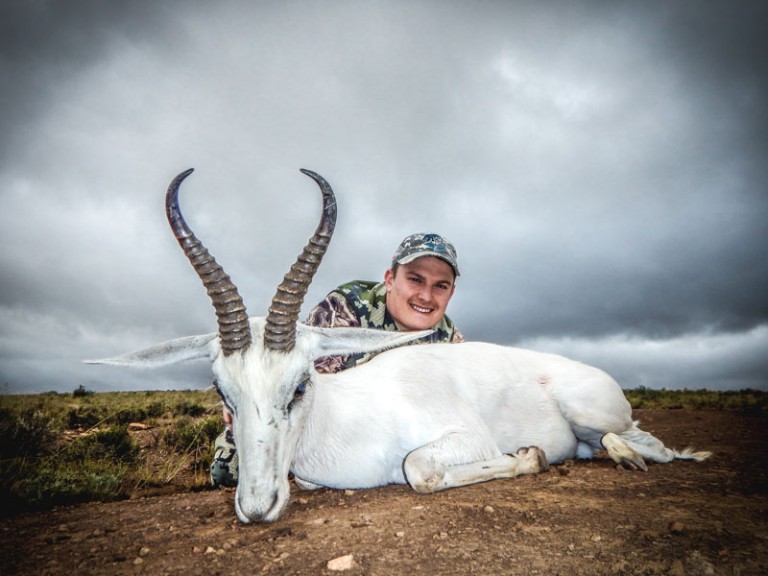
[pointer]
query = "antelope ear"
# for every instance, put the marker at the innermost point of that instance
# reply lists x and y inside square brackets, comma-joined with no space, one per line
[166,353]
[341,341]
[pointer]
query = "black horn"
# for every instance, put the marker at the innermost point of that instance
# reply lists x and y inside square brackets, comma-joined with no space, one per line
[234,329]
[280,330]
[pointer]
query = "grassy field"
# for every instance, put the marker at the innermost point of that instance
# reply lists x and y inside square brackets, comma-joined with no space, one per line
[68,448]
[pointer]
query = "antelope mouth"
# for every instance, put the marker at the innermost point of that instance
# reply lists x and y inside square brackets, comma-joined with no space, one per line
[249,512]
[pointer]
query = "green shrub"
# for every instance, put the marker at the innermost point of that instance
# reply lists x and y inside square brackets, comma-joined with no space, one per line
[25,435]
[58,483]
[36,475]
[81,391]
[188,435]
[82,417]
[155,409]
[114,444]
[187,408]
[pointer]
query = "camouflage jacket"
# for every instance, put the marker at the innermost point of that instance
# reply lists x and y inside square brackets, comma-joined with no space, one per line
[362,304]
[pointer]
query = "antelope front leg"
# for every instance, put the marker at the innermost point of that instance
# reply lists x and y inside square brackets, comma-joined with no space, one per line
[427,470]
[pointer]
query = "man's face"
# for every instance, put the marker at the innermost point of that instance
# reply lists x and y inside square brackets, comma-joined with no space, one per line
[418,294]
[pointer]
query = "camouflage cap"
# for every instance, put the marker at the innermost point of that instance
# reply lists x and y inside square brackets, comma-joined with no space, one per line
[418,245]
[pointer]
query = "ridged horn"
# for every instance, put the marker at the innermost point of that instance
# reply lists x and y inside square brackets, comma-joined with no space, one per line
[280,329]
[234,329]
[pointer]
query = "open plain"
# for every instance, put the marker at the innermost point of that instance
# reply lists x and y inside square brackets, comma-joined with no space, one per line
[580,518]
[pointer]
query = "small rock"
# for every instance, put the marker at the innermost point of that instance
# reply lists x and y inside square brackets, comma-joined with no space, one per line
[341,563]
[676,527]
[144,551]
[318,521]
[349,492]
[677,568]
[138,560]
[489,510]
[400,534]
[596,538]
[210,550]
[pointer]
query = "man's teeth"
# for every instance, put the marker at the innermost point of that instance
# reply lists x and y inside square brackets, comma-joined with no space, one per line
[420,309]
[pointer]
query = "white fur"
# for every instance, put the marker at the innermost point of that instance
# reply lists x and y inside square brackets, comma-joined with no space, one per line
[434,416]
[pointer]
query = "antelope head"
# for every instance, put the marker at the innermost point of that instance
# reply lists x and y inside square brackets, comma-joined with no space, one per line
[263,367]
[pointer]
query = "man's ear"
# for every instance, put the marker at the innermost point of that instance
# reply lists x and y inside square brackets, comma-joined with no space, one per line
[343,341]
[389,277]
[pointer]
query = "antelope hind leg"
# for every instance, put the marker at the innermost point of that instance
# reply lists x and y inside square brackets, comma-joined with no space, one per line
[426,473]
[621,453]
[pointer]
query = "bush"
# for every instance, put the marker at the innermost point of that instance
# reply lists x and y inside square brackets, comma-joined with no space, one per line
[62,483]
[155,409]
[35,475]
[186,408]
[114,444]
[187,435]
[26,435]
[81,391]
[82,417]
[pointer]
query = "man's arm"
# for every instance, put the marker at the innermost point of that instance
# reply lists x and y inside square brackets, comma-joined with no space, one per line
[333,311]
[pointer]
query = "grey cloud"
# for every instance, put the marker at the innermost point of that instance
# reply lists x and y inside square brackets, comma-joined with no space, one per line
[599,167]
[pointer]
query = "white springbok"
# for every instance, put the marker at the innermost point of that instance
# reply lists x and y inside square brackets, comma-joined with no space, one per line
[434,416]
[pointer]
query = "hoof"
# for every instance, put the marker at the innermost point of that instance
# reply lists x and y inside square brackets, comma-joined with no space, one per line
[622,454]
[535,457]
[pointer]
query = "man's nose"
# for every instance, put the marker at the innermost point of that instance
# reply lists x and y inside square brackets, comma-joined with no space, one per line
[425,294]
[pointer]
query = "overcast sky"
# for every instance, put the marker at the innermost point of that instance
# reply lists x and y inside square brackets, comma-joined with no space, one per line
[600,166]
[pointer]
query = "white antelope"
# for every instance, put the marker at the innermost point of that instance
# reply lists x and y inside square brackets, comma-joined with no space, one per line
[434,416]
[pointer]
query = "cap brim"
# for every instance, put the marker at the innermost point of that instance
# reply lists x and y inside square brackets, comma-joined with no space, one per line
[416,255]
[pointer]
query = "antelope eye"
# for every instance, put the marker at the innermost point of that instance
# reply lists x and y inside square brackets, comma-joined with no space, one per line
[298,393]
[224,399]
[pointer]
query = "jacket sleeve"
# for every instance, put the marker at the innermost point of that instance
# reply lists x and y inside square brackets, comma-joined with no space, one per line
[332,312]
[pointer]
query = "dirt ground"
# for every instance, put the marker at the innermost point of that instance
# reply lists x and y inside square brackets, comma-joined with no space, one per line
[581,518]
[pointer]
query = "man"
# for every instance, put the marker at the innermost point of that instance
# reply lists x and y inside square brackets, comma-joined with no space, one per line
[413,296]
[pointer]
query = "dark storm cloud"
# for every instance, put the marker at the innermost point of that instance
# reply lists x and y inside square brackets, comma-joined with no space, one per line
[600,167]
[44,43]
